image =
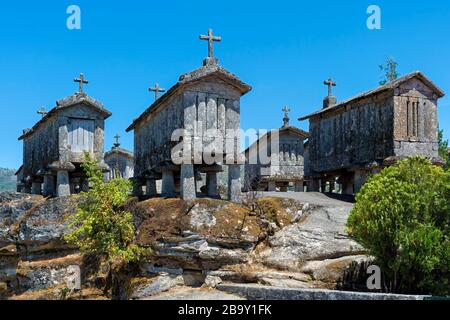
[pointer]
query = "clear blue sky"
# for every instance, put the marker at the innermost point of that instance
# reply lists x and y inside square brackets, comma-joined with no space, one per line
[284,49]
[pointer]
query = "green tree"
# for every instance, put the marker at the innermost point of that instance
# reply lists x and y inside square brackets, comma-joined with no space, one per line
[402,216]
[101,226]
[443,149]
[390,71]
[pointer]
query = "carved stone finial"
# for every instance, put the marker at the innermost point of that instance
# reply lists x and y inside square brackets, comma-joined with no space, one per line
[81,80]
[286,111]
[156,89]
[211,39]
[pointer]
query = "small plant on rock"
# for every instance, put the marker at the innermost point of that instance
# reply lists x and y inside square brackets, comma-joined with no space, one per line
[101,226]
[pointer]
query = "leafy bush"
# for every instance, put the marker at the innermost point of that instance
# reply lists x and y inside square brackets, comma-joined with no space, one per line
[402,216]
[102,226]
[443,149]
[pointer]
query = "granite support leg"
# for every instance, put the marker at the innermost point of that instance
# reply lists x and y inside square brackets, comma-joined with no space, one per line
[272,186]
[299,186]
[36,188]
[234,183]
[62,183]
[150,187]
[49,186]
[211,185]
[187,182]
[168,184]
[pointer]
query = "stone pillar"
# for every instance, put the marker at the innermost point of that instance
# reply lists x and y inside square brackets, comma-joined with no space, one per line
[26,189]
[211,185]
[75,185]
[234,182]
[36,187]
[299,186]
[49,185]
[150,187]
[347,185]
[168,184]
[360,179]
[315,185]
[19,187]
[332,185]
[62,183]
[323,185]
[137,189]
[85,185]
[271,186]
[187,182]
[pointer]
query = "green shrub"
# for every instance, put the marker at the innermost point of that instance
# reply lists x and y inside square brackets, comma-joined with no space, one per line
[101,226]
[402,216]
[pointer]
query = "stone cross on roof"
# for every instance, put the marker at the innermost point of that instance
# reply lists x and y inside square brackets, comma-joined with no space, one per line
[330,83]
[81,81]
[210,38]
[117,144]
[42,112]
[286,111]
[156,89]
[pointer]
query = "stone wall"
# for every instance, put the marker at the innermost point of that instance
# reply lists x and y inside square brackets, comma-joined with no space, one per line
[41,148]
[415,121]
[356,135]
[152,138]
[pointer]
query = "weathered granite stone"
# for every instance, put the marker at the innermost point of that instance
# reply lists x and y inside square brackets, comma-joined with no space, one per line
[212,281]
[49,185]
[151,188]
[168,184]
[187,177]
[320,235]
[160,284]
[234,183]
[259,292]
[62,183]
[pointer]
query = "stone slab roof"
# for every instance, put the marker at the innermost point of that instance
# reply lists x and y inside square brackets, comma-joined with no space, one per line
[389,86]
[189,78]
[66,103]
[299,132]
[122,151]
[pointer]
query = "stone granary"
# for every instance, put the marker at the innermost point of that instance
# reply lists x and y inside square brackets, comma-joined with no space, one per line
[53,149]
[120,162]
[352,139]
[286,165]
[205,103]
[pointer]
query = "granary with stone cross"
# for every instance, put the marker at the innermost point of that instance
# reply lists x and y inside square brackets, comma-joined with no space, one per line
[352,139]
[276,160]
[53,149]
[205,103]
[120,162]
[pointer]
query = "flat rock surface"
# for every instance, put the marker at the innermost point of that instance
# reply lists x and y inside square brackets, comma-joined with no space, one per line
[314,198]
[186,293]
[321,233]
